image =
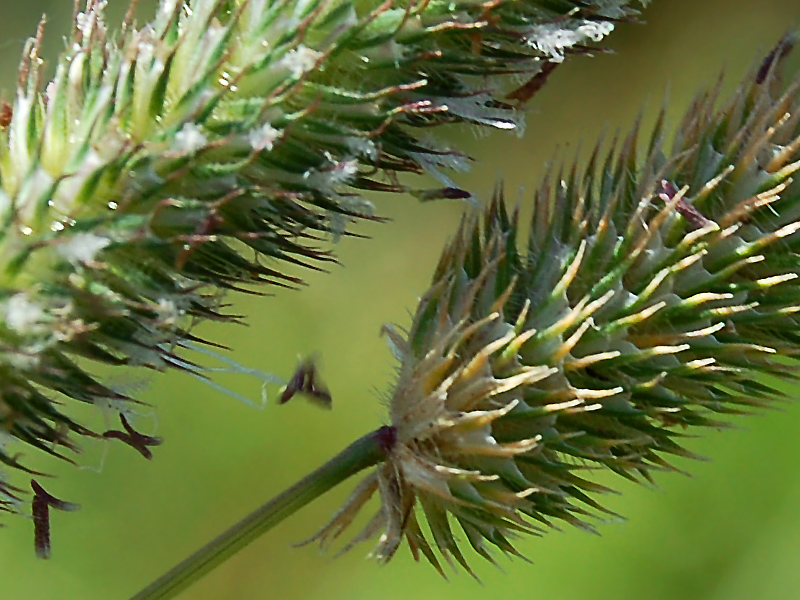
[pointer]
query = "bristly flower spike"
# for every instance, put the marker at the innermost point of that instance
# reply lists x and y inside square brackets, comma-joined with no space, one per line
[211,148]
[658,294]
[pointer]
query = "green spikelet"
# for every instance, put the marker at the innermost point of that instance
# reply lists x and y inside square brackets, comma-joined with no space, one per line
[211,148]
[658,289]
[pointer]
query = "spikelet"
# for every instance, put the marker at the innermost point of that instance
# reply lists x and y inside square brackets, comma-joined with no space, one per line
[658,294]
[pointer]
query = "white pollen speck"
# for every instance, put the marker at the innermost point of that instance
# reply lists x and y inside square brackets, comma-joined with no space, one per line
[84,23]
[169,311]
[22,315]
[300,60]
[83,247]
[344,171]
[189,139]
[263,138]
[553,39]
[166,8]
[363,147]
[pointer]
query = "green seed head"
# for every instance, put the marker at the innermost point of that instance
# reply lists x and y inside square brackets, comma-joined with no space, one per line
[657,290]
[209,150]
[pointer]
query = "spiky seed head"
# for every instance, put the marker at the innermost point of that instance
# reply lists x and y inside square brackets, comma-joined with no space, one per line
[657,290]
[167,164]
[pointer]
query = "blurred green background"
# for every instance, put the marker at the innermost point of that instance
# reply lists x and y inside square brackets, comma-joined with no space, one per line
[730,532]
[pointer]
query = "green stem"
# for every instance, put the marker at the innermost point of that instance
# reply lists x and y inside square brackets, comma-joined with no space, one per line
[364,452]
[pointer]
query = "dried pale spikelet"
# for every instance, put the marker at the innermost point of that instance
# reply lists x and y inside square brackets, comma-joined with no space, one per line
[658,288]
[210,148]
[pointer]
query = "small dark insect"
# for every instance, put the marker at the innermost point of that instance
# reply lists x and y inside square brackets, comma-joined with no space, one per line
[40,507]
[305,381]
